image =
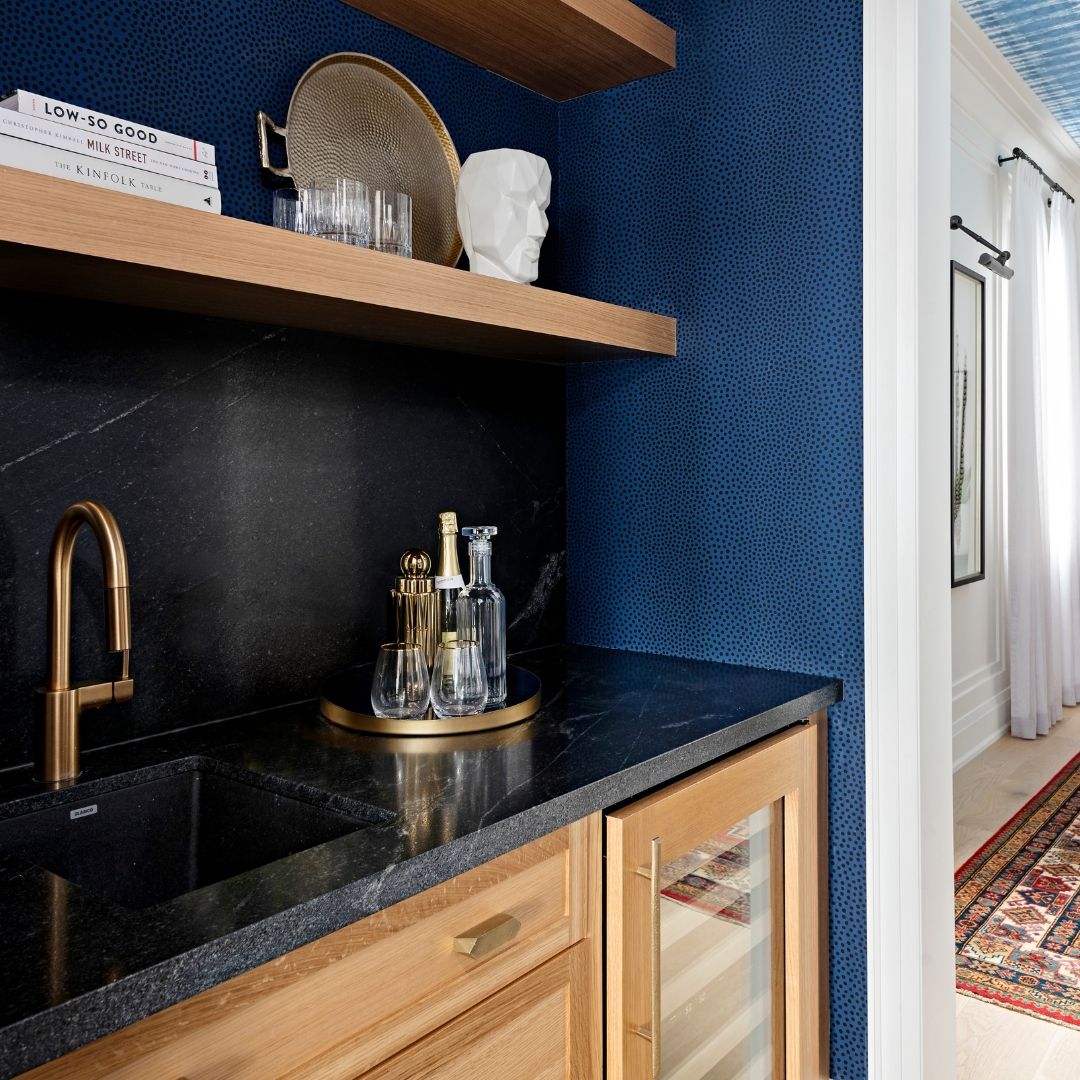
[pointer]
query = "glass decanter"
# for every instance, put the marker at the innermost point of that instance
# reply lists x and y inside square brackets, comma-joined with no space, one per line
[482,610]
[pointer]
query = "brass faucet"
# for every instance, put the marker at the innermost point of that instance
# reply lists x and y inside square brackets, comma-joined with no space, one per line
[59,703]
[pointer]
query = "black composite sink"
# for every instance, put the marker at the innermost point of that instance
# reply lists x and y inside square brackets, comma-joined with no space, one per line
[152,841]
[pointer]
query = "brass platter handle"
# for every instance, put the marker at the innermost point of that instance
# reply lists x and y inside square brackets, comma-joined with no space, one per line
[263,124]
[487,936]
[652,1033]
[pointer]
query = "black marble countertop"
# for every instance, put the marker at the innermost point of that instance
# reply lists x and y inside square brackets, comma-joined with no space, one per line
[613,725]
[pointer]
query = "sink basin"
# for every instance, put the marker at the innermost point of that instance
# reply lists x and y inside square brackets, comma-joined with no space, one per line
[152,841]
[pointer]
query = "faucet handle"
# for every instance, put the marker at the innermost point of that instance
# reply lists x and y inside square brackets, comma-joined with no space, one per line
[90,695]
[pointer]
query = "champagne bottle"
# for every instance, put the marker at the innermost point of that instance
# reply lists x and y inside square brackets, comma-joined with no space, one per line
[448,580]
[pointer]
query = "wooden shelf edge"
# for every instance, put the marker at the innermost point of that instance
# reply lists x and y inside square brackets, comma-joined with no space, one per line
[559,48]
[66,237]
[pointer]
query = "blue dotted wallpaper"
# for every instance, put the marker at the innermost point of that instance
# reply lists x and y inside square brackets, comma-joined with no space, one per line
[715,500]
[202,68]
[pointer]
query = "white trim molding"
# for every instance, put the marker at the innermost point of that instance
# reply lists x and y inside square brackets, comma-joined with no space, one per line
[906,66]
[980,728]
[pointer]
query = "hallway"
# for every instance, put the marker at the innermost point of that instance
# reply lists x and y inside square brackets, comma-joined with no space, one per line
[994,1043]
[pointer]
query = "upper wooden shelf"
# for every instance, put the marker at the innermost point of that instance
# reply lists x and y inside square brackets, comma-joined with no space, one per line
[559,48]
[61,236]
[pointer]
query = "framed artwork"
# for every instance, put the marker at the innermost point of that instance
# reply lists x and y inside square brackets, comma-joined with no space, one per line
[968,366]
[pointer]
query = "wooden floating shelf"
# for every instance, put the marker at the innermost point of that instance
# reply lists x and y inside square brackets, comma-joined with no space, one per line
[559,48]
[61,236]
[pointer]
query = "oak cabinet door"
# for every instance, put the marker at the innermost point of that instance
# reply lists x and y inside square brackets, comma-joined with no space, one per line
[713,938]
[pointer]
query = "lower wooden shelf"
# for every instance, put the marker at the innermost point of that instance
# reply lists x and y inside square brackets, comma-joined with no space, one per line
[60,236]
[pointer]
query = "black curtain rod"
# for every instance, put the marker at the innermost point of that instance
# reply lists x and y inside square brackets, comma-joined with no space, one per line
[1053,185]
[957,222]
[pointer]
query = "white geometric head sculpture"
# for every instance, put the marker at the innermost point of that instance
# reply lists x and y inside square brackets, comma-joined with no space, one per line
[501,199]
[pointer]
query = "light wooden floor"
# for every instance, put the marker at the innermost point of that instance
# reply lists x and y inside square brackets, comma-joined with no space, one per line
[994,1043]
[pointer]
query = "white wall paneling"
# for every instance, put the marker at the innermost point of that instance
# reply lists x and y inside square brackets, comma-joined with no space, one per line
[993,110]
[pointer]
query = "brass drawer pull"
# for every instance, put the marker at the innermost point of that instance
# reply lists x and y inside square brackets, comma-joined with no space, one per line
[487,936]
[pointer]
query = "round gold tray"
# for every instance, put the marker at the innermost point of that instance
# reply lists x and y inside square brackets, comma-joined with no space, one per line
[355,116]
[345,700]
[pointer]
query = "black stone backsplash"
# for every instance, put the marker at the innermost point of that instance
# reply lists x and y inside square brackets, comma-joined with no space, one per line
[266,481]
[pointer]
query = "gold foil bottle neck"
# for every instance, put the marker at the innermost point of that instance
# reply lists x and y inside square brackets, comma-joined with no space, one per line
[448,523]
[415,569]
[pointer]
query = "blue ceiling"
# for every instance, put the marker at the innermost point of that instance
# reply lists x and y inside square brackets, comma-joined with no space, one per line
[1041,39]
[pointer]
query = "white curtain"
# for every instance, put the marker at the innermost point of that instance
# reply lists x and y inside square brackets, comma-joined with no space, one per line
[1063,427]
[1033,588]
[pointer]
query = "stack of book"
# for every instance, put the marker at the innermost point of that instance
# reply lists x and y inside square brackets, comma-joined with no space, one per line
[47,136]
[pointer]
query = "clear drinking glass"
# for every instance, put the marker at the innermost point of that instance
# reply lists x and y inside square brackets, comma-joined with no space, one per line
[337,209]
[288,210]
[400,687]
[391,223]
[458,682]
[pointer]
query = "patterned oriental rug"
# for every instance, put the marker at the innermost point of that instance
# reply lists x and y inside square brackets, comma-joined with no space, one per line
[1018,908]
[714,879]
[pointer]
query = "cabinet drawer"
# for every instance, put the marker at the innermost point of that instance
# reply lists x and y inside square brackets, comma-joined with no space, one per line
[342,1004]
[524,1032]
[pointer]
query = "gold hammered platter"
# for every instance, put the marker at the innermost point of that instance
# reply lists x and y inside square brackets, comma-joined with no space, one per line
[345,700]
[355,116]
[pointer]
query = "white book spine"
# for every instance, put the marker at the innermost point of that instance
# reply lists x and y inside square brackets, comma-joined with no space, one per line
[112,126]
[50,133]
[20,154]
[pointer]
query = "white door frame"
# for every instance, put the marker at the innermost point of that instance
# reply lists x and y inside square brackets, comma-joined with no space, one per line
[906,145]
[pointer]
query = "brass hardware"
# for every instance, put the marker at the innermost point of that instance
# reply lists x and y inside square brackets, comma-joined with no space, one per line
[58,703]
[653,874]
[263,124]
[487,936]
[654,885]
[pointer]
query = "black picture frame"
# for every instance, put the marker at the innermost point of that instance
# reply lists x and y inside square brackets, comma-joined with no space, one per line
[967,479]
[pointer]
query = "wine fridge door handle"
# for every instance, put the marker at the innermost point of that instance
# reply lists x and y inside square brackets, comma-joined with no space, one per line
[652,1033]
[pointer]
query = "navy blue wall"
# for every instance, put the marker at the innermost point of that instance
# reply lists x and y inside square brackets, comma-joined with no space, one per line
[714,504]
[714,500]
